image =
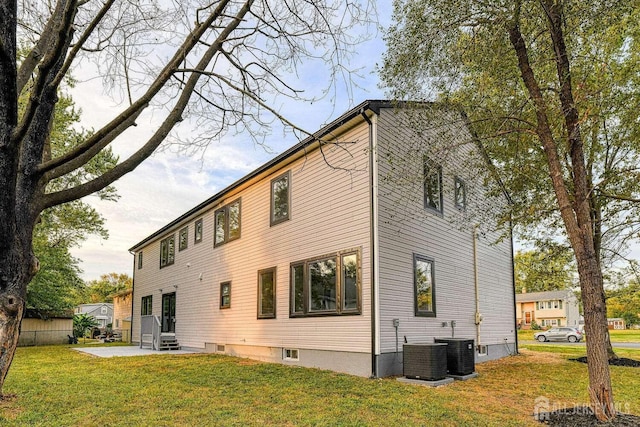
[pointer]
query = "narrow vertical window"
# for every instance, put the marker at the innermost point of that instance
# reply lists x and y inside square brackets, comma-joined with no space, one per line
[280,198]
[167,251]
[432,185]
[183,239]
[297,289]
[267,293]
[139,260]
[460,194]
[425,302]
[197,231]
[233,213]
[225,294]
[350,282]
[221,217]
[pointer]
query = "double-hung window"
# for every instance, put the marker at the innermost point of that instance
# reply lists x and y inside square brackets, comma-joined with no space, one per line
[139,260]
[227,223]
[167,250]
[146,305]
[432,185]
[280,198]
[326,285]
[225,295]
[424,286]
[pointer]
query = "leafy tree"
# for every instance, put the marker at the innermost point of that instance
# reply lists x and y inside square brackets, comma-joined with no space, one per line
[82,322]
[624,302]
[550,88]
[102,290]
[224,64]
[549,269]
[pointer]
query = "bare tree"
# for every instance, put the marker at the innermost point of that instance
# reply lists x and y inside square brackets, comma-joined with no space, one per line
[219,62]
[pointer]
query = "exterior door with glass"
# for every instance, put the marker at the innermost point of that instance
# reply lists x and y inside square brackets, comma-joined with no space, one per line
[169,312]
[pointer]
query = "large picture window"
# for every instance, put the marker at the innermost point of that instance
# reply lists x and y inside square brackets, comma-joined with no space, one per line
[280,198]
[167,250]
[147,303]
[424,286]
[227,223]
[267,293]
[432,185]
[326,285]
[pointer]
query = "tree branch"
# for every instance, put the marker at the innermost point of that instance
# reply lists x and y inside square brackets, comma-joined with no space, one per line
[92,146]
[62,33]
[174,117]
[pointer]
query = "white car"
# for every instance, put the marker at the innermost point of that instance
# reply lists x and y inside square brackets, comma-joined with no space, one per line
[559,334]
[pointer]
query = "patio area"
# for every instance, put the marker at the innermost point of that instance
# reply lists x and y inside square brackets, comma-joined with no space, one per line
[127,351]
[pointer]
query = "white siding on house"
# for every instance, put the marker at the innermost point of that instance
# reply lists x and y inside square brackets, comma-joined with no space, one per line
[330,212]
[407,228]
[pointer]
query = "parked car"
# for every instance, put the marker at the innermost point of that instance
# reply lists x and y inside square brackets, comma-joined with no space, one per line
[559,334]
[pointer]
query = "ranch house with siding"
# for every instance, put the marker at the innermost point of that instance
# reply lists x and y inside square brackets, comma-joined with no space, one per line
[373,232]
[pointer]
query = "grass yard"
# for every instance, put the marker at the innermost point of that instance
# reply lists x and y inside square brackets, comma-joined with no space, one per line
[624,335]
[56,386]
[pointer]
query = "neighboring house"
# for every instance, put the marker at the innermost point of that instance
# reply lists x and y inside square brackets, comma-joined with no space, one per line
[122,305]
[102,311]
[616,323]
[39,328]
[547,309]
[320,258]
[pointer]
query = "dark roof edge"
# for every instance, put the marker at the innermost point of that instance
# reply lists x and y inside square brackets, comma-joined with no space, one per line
[373,105]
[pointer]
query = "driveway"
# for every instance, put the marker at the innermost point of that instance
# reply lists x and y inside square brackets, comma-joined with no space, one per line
[126,350]
[613,344]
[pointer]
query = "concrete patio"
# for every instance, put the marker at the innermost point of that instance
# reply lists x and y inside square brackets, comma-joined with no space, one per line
[126,351]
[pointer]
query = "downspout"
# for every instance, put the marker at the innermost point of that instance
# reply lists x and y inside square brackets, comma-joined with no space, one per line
[513,280]
[478,316]
[373,227]
[133,286]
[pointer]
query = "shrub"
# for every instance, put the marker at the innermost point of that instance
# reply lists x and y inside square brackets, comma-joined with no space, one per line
[535,326]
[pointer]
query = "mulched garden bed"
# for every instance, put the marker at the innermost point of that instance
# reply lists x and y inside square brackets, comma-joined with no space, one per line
[583,417]
[621,361]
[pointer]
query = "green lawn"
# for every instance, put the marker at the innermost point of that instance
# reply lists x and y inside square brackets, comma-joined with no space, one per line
[626,335]
[56,386]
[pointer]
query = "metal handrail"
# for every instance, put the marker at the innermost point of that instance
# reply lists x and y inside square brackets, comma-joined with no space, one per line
[157,326]
[150,325]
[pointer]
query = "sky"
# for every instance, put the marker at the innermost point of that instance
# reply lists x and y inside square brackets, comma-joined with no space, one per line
[170,183]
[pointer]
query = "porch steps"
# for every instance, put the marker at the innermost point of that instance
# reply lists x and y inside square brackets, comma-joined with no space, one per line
[169,343]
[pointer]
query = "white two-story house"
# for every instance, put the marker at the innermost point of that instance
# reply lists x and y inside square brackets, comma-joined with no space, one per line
[373,232]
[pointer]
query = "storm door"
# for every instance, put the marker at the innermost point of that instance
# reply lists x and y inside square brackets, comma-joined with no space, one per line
[169,312]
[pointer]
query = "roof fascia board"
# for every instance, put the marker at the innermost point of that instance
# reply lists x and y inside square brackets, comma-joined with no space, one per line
[306,144]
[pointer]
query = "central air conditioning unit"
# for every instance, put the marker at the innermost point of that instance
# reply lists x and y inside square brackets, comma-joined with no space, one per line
[425,361]
[460,355]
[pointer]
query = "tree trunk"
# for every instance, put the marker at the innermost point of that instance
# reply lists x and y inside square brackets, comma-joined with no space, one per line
[11,312]
[17,268]
[595,323]
[574,207]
